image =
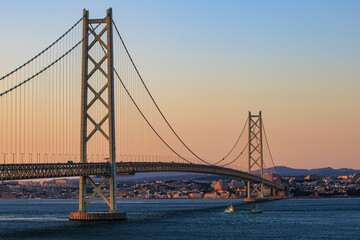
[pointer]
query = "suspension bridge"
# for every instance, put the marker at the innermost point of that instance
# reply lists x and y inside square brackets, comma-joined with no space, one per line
[62,111]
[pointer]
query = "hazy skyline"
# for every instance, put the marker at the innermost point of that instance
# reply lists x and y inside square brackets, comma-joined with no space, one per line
[209,62]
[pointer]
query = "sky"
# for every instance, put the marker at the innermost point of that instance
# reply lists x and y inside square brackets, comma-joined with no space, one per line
[210,62]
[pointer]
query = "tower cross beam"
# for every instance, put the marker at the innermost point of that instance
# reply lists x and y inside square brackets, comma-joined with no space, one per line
[97,190]
[97,96]
[97,66]
[97,37]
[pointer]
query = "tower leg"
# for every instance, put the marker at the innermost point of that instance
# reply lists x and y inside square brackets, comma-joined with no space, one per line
[82,194]
[113,189]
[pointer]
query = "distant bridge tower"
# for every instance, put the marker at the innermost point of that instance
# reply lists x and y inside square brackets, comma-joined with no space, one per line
[88,84]
[255,155]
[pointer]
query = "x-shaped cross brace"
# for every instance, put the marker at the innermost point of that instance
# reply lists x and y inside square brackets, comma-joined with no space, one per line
[97,190]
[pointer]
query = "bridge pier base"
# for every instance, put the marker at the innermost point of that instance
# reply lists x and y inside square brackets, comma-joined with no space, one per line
[98,216]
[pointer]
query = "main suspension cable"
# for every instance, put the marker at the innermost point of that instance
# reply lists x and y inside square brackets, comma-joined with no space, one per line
[236,157]
[237,141]
[43,51]
[48,66]
[158,108]
[147,121]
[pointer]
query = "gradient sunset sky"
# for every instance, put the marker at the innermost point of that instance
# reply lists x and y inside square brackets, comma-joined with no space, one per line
[210,62]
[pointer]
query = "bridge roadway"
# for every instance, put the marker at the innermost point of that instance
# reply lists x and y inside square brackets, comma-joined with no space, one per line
[34,171]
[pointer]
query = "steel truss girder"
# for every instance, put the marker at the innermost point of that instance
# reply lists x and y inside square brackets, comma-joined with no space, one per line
[36,171]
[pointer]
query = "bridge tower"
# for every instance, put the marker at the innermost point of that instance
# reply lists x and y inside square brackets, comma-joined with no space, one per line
[87,104]
[255,155]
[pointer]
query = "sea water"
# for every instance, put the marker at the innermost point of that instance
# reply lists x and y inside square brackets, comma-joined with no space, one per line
[335,218]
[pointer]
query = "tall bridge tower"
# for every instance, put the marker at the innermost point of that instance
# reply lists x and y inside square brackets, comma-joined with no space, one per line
[255,155]
[89,79]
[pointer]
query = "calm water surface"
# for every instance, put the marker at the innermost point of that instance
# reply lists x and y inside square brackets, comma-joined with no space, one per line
[184,219]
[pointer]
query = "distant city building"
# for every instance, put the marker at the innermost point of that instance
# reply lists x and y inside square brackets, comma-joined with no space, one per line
[60,181]
[122,195]
[23,182]
[4,188]
[224,195]
[179,195]
[234,184]
[312,177]
[196,195]
[211,195]
[328,180]
[219,186]
[241,192]
[8,196]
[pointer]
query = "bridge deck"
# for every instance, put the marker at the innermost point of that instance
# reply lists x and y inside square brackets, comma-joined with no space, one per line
[33,171]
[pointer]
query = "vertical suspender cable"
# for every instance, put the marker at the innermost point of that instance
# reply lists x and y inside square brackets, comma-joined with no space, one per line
[38,118]
[15,117]
[20,119]
[62,101]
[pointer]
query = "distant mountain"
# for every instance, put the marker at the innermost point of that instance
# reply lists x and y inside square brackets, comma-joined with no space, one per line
[321,172]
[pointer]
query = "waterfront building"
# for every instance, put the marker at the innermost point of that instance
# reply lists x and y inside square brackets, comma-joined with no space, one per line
[197,195]
[311,177]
